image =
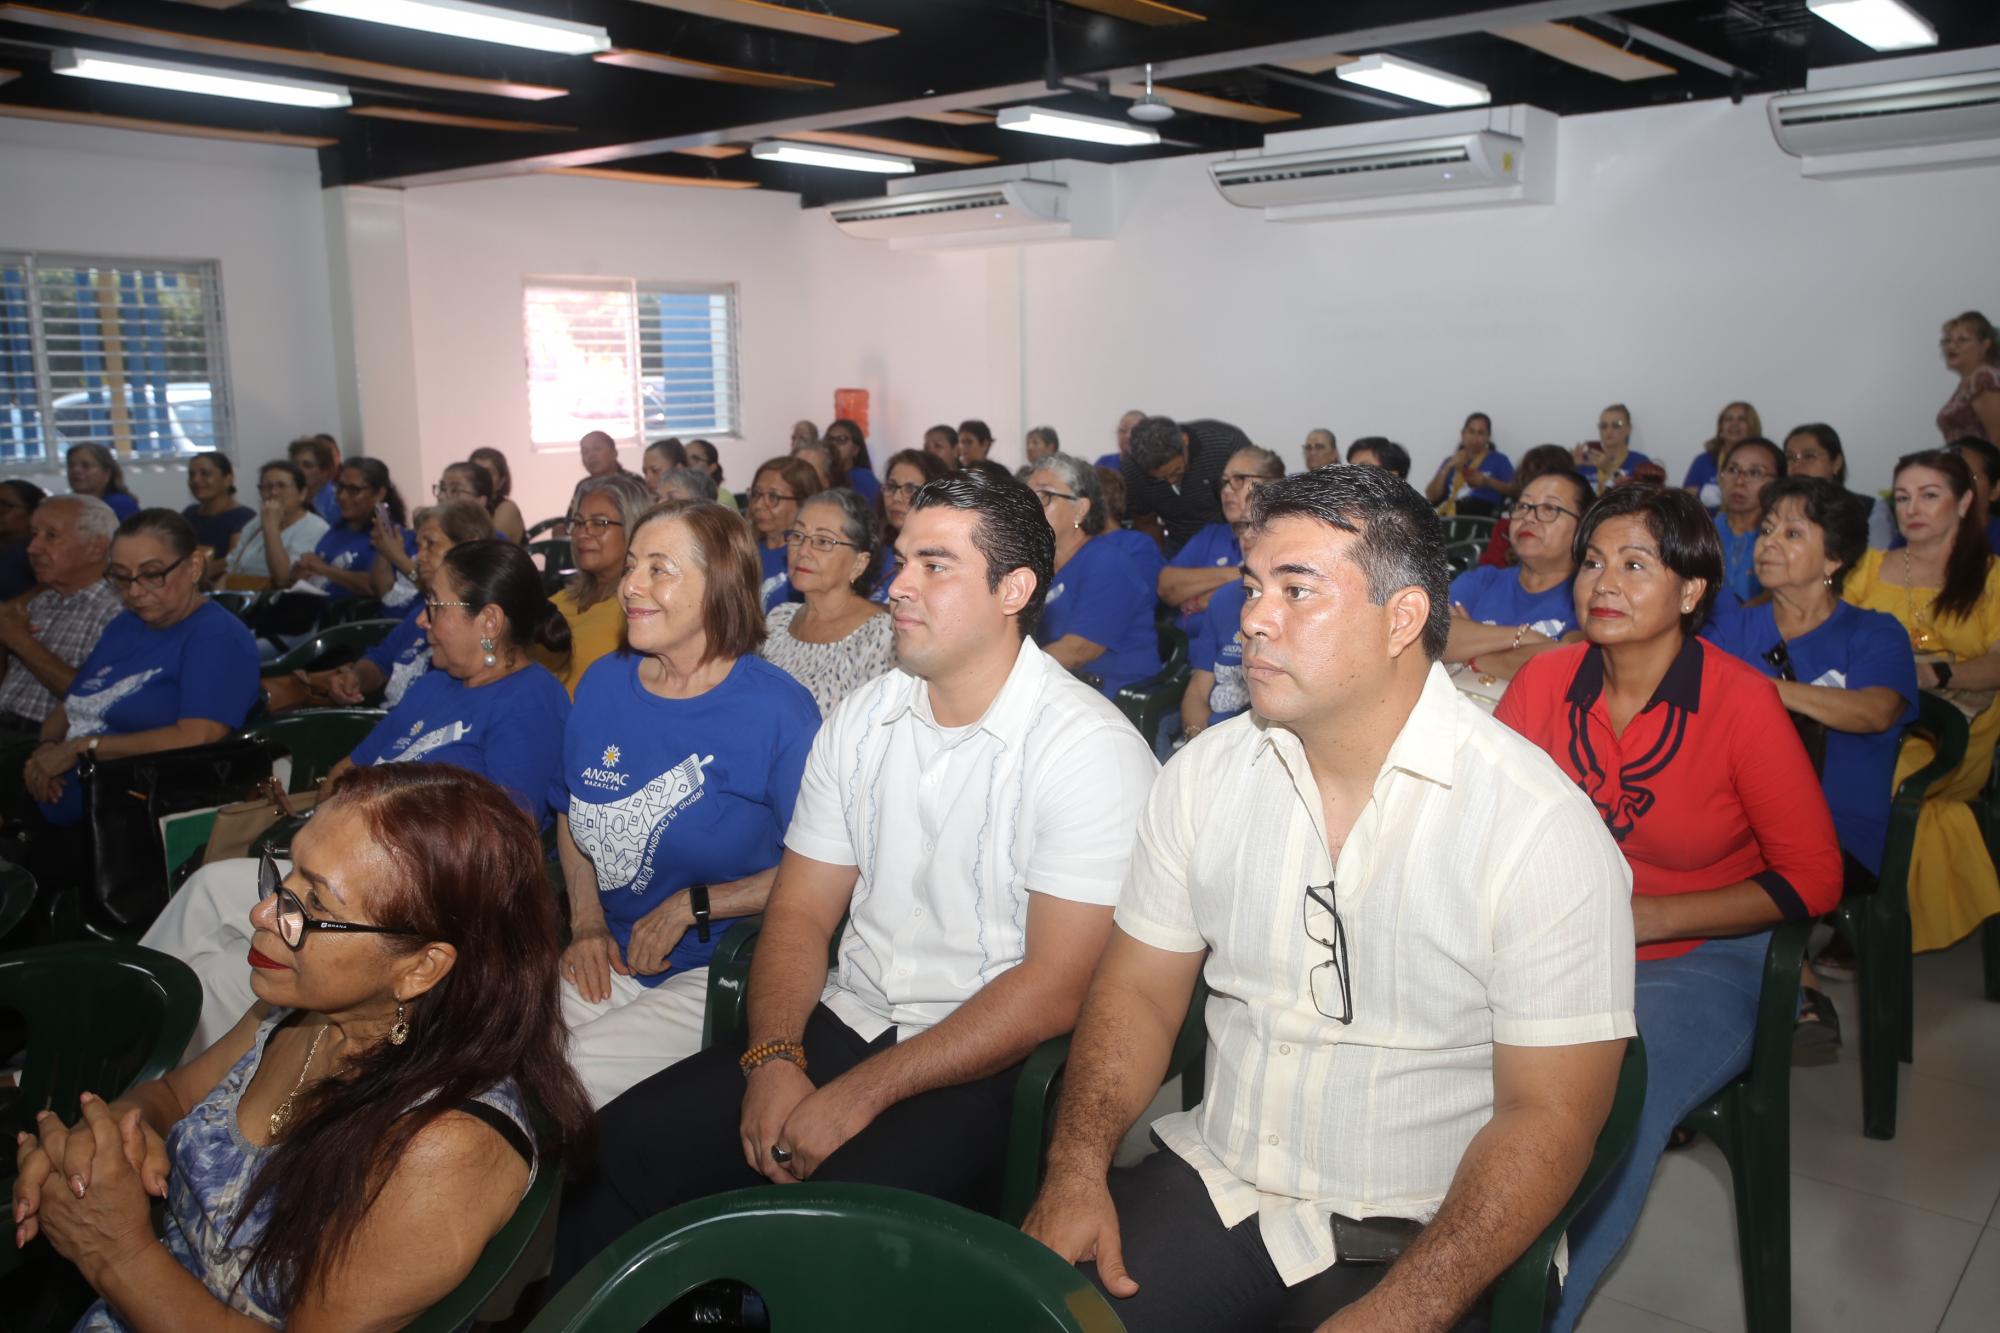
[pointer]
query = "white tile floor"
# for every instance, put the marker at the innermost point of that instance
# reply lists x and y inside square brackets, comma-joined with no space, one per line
[1894,1236]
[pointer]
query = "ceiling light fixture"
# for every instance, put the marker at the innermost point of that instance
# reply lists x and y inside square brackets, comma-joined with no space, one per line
[1419,83]
[1886,25]
[1149,106]
[844,159]
[1065,125]
[197,79]
[478,23]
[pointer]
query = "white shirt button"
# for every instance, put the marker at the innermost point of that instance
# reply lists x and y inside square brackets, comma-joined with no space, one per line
[916,911]
[1273,1140]
[1284,1050]
[902,971]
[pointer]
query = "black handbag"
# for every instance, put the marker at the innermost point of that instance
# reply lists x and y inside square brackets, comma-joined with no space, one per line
[123,803]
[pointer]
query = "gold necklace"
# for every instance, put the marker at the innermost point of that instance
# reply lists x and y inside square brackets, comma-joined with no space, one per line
[281,1118]
[1921,637]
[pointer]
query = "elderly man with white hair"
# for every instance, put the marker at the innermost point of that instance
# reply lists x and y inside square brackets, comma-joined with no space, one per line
[47,634]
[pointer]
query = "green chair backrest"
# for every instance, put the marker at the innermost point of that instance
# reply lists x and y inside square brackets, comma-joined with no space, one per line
[317,739]
[100,1018]
[333,646]
[496,1261]
[834,1258]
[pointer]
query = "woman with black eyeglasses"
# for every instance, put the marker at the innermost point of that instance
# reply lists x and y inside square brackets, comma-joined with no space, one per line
[777,490]
[343,563]
[170,671]
[1846,671]
[836,639]
[1500,618]
[909,471]
[850,444]
[485,706]
[602,512]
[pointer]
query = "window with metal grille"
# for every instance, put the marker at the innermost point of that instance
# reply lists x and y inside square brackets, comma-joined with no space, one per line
[687,359]
[126,354]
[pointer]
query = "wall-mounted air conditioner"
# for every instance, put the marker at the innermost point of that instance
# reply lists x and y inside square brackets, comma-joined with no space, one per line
[1876,129]
[997,206]
[1474,160]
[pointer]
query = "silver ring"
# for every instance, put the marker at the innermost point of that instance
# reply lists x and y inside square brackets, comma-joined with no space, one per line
[780,1155]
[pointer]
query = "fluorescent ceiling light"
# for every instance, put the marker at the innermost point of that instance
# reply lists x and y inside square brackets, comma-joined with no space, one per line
[479,23]
[1886,25]
[197,79]
[1419,83]
[1064,125]
[846,159]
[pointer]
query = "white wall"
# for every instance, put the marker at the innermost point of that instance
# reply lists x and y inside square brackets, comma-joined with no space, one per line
[69,189]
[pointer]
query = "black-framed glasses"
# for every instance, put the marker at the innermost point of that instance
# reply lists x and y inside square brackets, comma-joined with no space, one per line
[902,490]
[444,490]
[1548,512]
[770,497]
[292,920]
[1333,994]
[1779,659]
[1749,473]
[432,608]
[1048,497]
[154,579]
[596,522]
[819,541]
[351,488]
[1232,481]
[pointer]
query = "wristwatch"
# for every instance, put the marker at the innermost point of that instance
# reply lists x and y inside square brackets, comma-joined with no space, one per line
[1942,670]
[698,904]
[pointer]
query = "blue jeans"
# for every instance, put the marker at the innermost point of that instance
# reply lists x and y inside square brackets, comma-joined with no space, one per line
[1697,1014]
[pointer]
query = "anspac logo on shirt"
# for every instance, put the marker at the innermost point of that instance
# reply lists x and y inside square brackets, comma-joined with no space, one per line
[604,777]
[623,836]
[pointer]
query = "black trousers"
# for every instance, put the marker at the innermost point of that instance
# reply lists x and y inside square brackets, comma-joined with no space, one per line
[1196,1275]
[674,1138]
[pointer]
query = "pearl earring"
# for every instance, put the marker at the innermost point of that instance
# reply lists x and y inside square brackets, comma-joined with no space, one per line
[486,645]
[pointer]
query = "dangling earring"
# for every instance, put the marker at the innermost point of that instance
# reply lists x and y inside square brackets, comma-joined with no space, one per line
[399,1032]
[486,646]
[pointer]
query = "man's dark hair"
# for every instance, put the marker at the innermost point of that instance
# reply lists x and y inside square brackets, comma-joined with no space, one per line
[1401,539]
[1154,443]
[1011,534]
[1676,520]
[1395,458]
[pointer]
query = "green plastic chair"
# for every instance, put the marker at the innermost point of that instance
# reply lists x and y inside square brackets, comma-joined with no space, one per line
[1877,924]
[835,1259]
[337,645]
[17,896]
[497,1261]
[317,739]
[347,610]
[1520,1297]
[1750,1120]
[100,1018]
[1987,809]
[555,555]
[1461,556]
[1149,702]
[1475,528]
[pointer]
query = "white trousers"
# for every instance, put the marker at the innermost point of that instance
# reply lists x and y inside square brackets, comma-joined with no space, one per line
[636,1033]
[207,926]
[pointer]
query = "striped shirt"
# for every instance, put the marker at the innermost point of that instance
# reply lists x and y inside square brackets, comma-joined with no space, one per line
[1481,901]
[952,828]
[69,627]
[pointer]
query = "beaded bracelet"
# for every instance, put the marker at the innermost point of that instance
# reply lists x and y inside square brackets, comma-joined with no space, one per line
[768,1051]
[1519,635]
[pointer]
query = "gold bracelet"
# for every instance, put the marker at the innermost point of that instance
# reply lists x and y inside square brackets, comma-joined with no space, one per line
[1519,635]
[765,1052]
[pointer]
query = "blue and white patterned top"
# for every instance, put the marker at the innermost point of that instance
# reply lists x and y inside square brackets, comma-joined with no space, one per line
[212,1169]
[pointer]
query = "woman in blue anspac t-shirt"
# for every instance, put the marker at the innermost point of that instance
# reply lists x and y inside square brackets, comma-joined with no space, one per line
[680,768]
[343,563]
[1098,618]
[172,670]
[1502,617]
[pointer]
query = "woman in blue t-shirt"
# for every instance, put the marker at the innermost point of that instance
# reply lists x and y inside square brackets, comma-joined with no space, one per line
[908,471]
[1500,618]
[94,471]
[1610,459]
[850,444]
[215,515]
[680,767]
[1847,671]
[1098,619]
[170,671]
[1213,557]
[343,563]
[1476,478]
[1733,424]
[1748,466]
[777,490]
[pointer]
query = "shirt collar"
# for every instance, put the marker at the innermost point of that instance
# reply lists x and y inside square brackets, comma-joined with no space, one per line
[1681,686]
[1006,719]
[1426,747]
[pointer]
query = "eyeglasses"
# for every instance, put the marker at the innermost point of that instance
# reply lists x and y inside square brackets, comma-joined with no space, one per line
[1780,660]
[819,541]
[842,438]
[351,488]
[1799,459]
[902,490]
[1048,497]
[432,608]
[1547,512]
[770,497]
[1749,473]
[442,489]
[154,579]
[293,923]
[1324,991]
[1236,481]
[596,522]
[1613,425]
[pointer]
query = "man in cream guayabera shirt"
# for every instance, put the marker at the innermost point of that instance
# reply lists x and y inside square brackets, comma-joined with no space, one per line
[1417,939]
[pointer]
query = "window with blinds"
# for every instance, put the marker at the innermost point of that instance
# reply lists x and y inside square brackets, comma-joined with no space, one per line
[687,359]
[124,354]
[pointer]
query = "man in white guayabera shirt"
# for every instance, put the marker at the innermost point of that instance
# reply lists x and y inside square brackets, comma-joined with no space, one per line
[971,813]
[1417,937]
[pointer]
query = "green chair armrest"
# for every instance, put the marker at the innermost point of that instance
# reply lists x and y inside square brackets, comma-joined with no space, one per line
[727,1011]
[1778,1009]
[1949,732]
[1029,1126]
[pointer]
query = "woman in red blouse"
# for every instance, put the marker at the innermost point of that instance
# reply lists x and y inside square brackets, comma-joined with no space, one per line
[1700,776]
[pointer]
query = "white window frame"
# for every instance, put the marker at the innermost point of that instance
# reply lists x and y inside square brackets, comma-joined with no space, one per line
[726,374]
[215,348]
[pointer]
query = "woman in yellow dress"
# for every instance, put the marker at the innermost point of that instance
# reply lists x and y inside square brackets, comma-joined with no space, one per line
[1945,589]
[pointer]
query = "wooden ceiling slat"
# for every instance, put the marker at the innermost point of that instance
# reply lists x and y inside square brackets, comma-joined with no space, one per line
[9,75]
[652,178]
[655,62]
[871,143]
[89,26]
[956,117]
[213,4]
[1149,12]
[1201,104]
[1574,46]
[782,18]
[163,126]
[714,151]
[415,116]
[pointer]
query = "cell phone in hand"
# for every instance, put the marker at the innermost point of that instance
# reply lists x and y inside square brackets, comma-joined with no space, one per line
[382,514]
